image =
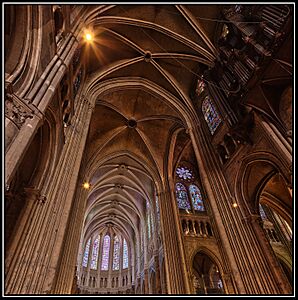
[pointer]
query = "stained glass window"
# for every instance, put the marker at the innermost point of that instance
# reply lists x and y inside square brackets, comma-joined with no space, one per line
[86,253]
[184,173]
[181,196]
[116,253]
[149,225]
[142,243]
[125,255]
[196,197]
[157,210]
[210,114]
[105,253]
[200,86]
[262,212]
[93,264]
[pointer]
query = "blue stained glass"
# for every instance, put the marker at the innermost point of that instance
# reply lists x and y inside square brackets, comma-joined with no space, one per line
[262,212]
[116,253]
[181,196]
[184,173]
[149,225]
[157,210]
[210,114]
[196,197]
[86,253]
[94,258]
[105,253]
[142,243]
[125,255]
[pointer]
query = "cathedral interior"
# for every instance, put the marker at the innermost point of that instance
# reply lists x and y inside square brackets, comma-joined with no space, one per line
[148,149]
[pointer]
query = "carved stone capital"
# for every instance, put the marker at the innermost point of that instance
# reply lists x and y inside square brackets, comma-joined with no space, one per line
[86,100]
[16,110]
[34,195]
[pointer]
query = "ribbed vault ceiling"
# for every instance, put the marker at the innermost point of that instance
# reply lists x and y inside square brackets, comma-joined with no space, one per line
[166,46]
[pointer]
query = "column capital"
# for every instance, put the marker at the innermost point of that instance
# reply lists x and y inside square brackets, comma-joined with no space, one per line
[87,101]
[34,194]
[253,218]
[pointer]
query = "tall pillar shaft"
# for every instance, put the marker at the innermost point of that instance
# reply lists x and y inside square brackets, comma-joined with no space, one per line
[248,264]
[37,245]
[175,264]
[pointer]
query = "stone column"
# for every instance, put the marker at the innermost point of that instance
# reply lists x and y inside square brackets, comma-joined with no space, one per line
[32,265]
[228,283]
[282,145]
[281,279]
[38,100]
[99,260]
[111,262]
[138,285]
[176,272]
[133,268]
[15,262]
[157,272]
[243,250]
[146,280]
[121,262]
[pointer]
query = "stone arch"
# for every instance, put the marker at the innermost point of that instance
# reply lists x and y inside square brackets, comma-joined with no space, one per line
[254,173]
[213,261]
[32,175]
[209,253]
[24,47]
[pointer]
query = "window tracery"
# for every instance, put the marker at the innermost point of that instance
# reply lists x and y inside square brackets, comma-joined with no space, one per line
[184,173]
[188,194]
[211,115]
